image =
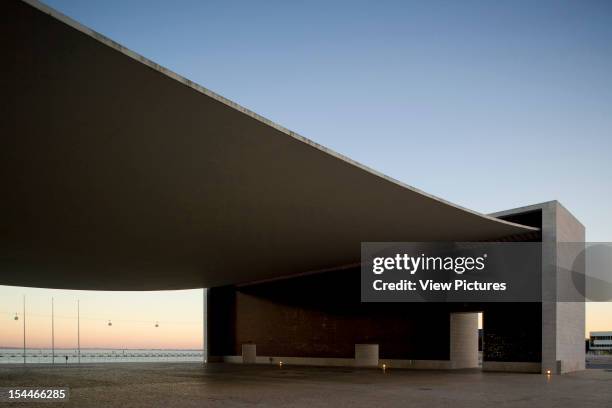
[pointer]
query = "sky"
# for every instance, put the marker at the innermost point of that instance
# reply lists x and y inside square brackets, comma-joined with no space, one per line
[133,315]
[489,105]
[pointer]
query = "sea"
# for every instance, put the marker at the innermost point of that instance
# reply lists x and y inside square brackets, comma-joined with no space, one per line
[71,356]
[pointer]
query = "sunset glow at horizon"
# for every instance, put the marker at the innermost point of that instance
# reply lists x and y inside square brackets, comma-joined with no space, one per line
[133,316]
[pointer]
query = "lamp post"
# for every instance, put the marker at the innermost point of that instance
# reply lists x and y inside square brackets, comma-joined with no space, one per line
[52,333]
[24,332]
[79,330]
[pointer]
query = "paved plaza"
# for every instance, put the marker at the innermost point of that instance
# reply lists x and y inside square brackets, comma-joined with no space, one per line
[226,385]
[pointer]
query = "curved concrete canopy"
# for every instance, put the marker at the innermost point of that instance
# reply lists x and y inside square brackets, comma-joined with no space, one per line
[120,175]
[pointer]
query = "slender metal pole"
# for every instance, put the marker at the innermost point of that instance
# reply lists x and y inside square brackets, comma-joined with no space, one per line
[52,334]
[24,332]
[205,338]
[79,330]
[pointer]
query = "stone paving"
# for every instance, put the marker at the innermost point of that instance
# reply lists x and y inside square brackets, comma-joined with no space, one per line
[227,385]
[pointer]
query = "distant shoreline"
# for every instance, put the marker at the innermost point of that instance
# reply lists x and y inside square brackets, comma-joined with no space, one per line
[101,348]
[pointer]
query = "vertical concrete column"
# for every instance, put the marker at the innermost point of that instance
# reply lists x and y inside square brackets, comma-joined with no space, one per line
[562,322]
[570,314]
[366,355]
[249,353]
[464,340]
[549,288]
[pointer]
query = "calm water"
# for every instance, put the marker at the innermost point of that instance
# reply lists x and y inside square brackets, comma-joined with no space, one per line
[38,356]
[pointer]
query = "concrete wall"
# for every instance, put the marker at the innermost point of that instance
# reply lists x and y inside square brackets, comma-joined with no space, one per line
[321,316]
[512,366]
[349,362]
[562,322]
[570,315]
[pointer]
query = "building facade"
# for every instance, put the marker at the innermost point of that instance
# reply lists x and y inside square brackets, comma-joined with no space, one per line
[600,341]
[122,175]
[319,319]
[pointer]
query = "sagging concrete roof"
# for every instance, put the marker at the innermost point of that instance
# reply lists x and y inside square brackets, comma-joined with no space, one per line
[119,174]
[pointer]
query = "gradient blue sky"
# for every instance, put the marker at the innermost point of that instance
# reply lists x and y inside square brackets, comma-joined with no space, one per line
[490,105]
